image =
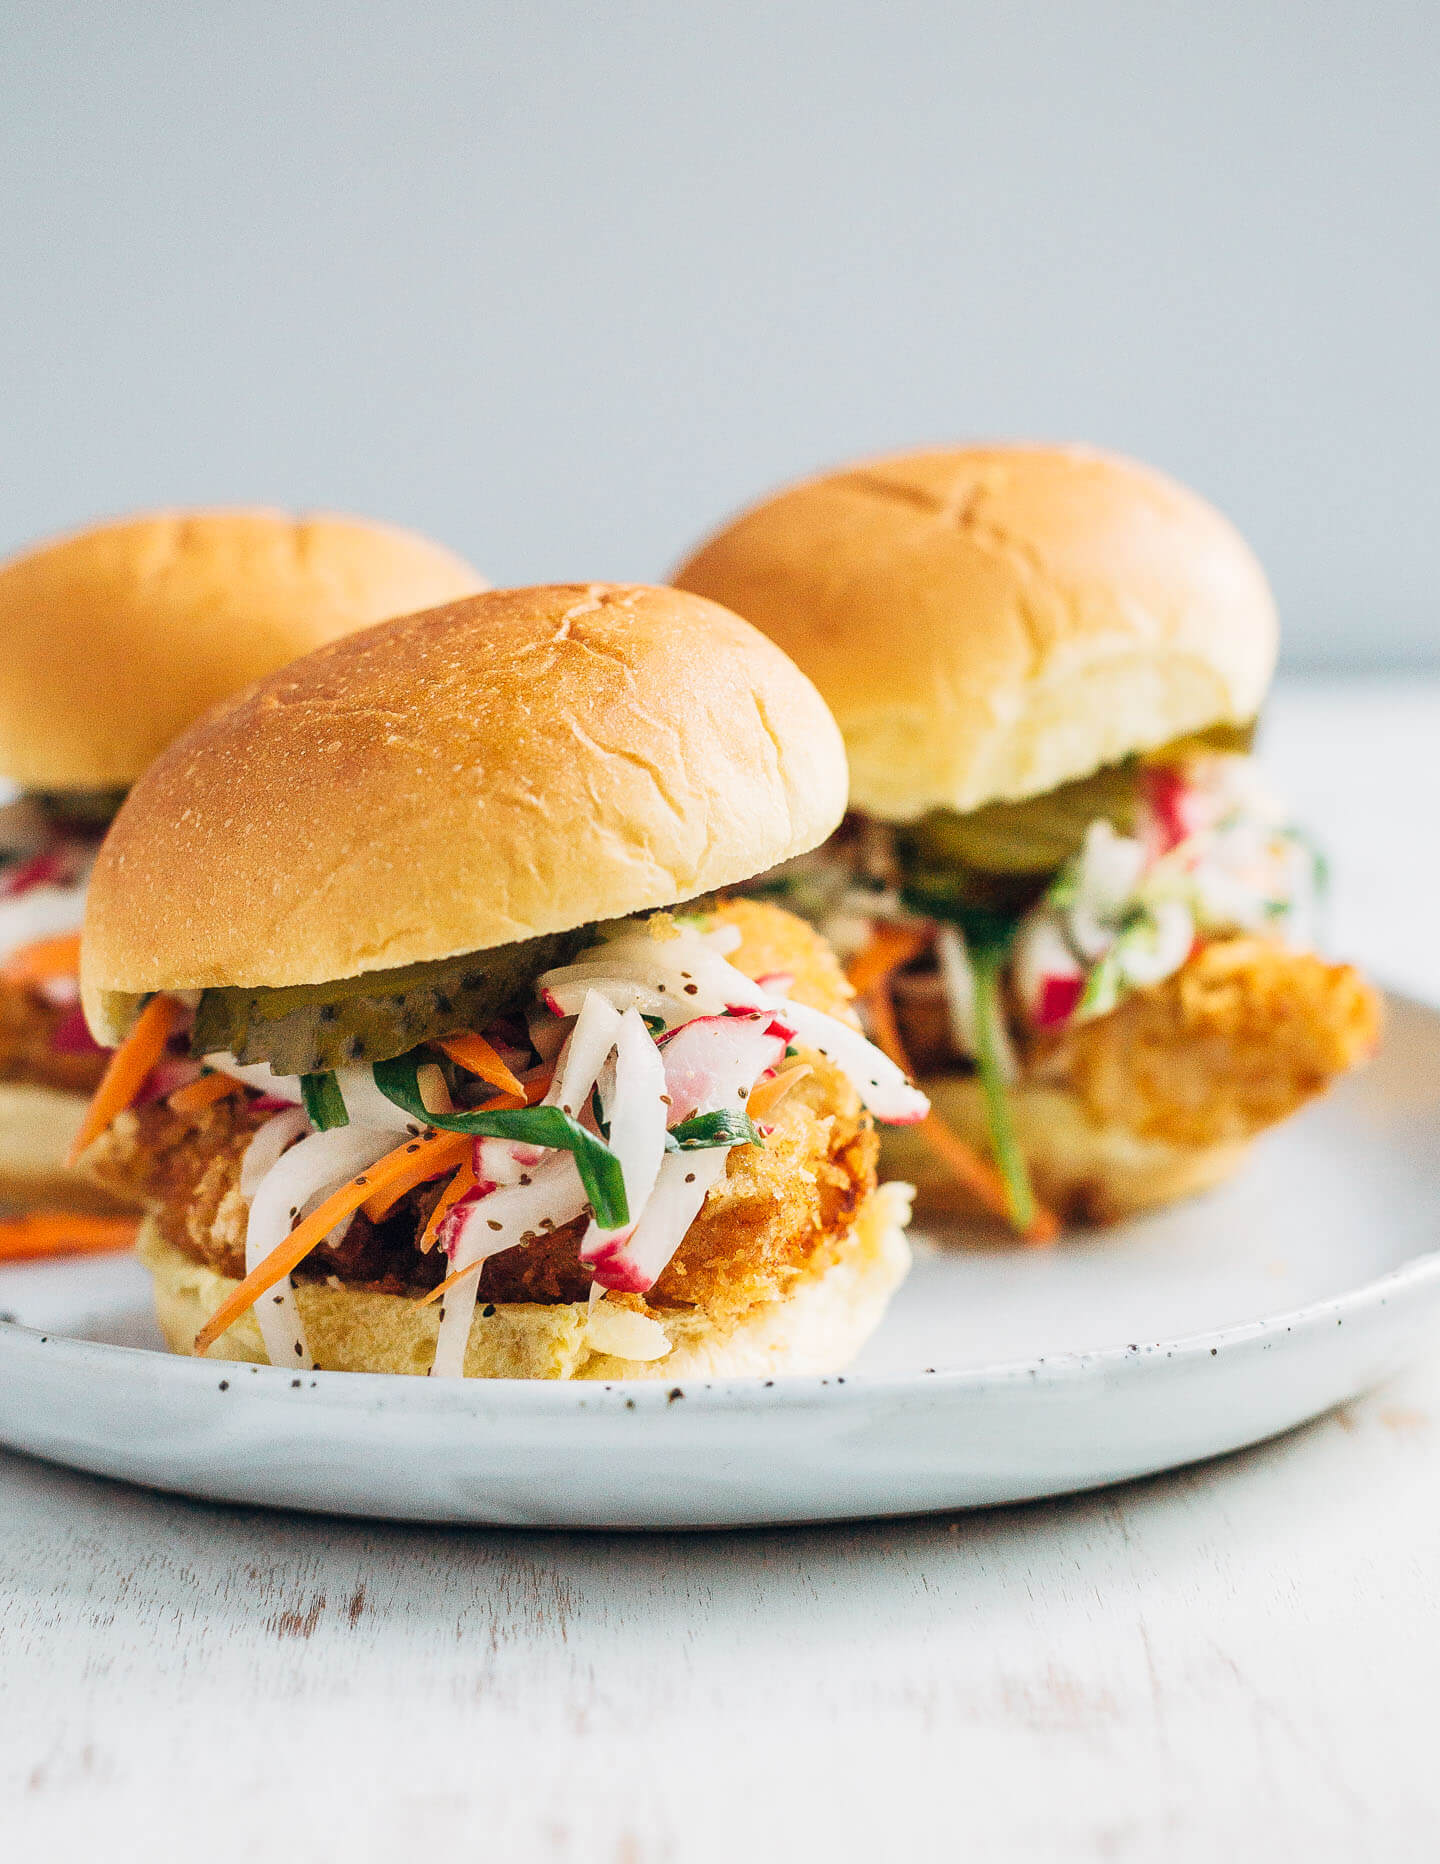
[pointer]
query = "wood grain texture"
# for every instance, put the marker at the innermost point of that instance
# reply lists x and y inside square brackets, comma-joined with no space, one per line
[1237,1660]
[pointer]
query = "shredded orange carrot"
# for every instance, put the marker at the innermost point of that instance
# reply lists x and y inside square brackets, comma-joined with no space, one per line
[535,1085]
[890,946]
[450,1281]
[463,1181]
[977,1174]
[312,1230]
[127,1068]
[203,1093]
[63,1233]
[963,1160]
[46,957]
[531,1089]
[476,1054]
[768,1094]
[445,1151]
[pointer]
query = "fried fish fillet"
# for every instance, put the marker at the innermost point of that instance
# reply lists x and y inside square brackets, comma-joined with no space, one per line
[1240,1037]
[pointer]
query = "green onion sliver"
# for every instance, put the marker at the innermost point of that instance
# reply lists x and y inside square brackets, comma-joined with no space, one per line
[599,1168]
[986,961]
[708,1130]
[324,1101]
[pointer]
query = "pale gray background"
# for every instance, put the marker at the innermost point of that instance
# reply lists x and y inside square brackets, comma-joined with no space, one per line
[565,283]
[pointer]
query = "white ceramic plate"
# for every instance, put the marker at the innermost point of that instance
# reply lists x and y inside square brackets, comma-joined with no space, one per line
[999,1375]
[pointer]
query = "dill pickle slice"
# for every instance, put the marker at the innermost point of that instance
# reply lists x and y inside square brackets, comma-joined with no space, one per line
[1236,740]
[306,1028]
[998,858]
[1031,837]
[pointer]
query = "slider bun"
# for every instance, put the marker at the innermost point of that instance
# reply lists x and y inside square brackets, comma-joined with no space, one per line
[513,764]
[989,622]
[112,640]
[37,1128]
[1085,1173]
[819,1326]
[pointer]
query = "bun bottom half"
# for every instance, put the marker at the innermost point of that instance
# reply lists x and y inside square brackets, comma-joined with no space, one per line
[37,1128]
[818,1327]
[1085,1173]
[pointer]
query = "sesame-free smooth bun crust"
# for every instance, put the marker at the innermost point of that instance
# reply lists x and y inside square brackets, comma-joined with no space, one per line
[517,763]
[989,622]
[114,639]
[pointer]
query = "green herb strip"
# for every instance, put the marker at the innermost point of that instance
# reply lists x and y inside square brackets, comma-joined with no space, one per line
[599,1168]
[708,1130]
[324,1101]
[987,960]
[988,937]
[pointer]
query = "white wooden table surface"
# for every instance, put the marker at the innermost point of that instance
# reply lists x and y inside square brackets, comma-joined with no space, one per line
[1236,1661]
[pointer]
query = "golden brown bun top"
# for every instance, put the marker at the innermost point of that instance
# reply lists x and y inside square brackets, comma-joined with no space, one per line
[517,763]
[114,639]
[989,622]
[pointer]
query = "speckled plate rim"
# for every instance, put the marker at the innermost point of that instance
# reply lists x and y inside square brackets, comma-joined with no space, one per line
[758,1451]
[367,1391]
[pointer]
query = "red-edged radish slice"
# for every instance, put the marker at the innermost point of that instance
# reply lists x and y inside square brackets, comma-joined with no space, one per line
[269,1142]
[713,1062]
[684,1183]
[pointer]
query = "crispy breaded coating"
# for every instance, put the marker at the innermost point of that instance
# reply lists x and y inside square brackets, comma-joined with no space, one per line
[186,1170]
[1241,1036]
[783,1210]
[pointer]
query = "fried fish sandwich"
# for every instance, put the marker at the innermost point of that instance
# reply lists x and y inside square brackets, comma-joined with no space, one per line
[1063,887]
[487,1077]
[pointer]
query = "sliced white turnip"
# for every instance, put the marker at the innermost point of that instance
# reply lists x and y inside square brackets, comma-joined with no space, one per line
[296,1184]
[584,1054]
[636,1104]
[882,1086]
[484,1224]
[958,980]
[280,1131]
